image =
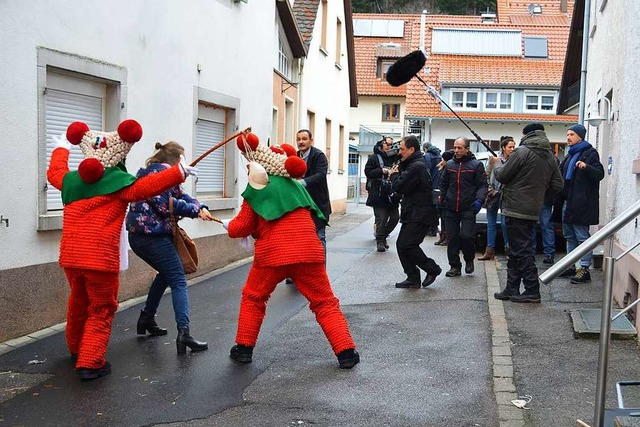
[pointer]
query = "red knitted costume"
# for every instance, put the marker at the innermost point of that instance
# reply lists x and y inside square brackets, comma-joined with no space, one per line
[287,247]
[89,253]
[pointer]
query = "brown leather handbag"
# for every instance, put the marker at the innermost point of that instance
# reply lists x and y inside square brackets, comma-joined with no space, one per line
[185,246]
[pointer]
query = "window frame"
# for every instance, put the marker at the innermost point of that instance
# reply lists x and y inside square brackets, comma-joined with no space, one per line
[383,65]
[386,116]
[540,94]
[499,93]
[114,110]
[466,92]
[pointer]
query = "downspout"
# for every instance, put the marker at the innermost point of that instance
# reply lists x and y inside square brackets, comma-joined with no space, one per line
[300,109]
[583,67]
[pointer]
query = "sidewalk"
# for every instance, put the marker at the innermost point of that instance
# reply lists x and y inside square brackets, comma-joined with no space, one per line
[447,355]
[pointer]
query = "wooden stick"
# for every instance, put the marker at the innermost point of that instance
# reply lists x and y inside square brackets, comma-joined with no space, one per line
[218,145]
[582,423]
[217,220]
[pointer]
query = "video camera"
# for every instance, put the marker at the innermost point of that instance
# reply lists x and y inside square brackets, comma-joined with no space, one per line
[394,149]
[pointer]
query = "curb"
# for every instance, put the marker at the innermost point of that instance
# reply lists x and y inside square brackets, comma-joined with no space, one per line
[503,385]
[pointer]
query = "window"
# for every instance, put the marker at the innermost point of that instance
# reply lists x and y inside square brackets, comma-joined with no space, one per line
[311,121]
[541,102]
[323,37]
[498,100]
[215,121]
[354,161]
[327,135]
[341,148]
[383,67]
[535,47]
[338,43]
[284,57]
[465,99]
[390,112]
[72,89]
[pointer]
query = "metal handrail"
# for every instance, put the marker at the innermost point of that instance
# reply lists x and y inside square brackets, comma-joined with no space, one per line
[600,236]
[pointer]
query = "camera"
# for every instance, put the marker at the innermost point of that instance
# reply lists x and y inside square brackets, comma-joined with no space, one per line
[393,149]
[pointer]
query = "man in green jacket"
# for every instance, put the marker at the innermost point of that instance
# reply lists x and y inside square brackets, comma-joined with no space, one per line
[530,172]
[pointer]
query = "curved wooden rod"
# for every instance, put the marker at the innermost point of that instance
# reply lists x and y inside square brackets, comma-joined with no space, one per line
[218,145]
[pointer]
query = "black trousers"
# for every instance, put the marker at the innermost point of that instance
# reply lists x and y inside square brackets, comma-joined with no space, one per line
[461,227]
[385,218]
[410,253]
[521,267]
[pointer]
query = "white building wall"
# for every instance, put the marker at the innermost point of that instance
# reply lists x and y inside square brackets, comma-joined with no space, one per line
[329,99]
[160,43]
[369,114]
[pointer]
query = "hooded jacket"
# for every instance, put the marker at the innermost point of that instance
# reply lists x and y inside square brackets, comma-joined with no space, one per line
[462,182]
[414,184]
[529,173]
[373,172]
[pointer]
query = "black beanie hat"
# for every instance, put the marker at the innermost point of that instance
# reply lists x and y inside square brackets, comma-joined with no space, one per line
[531,127]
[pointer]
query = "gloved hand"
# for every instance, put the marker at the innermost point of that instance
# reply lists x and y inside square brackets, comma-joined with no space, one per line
[61,142]
[186,169]
[225,223]
[246,243]
[477,205]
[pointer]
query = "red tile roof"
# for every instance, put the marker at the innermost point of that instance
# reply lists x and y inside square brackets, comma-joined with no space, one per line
[471,70]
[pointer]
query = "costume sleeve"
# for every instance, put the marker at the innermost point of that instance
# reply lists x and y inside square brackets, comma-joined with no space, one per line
[152,184]
[58,167]
[245,223]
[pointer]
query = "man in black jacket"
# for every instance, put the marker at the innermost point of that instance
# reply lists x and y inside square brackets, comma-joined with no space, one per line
[530,172]
[315,180]
[463,186]
[417,214]
[385,211]
[582,171]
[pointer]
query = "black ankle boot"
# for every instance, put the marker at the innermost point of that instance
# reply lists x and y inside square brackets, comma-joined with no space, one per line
[241,353]
[147,322]
[348,359]
[185,340]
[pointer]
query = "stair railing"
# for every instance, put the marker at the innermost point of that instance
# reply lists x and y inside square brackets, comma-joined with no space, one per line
[606,232]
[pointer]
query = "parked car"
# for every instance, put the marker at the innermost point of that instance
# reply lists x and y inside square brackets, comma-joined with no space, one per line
[481,224]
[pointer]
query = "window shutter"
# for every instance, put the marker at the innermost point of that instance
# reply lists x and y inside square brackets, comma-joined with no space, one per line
[211,168]
[62,109]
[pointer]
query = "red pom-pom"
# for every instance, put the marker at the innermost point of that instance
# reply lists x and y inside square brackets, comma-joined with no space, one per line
[295,166]
[276,149]
[90,170]
[130,131]
[289,150]
[76,131]
[250,139]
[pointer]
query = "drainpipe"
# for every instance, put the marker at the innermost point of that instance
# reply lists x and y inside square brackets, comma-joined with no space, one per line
[300,112]
[583,67]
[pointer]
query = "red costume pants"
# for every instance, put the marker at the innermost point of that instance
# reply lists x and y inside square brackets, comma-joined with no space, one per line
[90,310]
[312,281]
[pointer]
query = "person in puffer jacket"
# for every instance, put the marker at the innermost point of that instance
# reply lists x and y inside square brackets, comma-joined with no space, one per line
[463,185]
[529,174]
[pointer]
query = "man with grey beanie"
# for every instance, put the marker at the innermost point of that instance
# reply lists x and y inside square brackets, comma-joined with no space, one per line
[582,172]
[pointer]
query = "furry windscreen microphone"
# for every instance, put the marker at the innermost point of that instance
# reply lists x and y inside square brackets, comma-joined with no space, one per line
[405,68]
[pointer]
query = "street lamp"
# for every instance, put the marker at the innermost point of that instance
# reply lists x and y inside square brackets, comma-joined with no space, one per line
[595,119]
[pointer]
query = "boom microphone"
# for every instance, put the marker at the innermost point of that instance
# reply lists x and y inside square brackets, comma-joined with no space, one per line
[405,68]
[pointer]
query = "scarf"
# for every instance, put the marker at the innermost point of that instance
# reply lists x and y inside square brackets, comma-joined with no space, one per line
[575,151]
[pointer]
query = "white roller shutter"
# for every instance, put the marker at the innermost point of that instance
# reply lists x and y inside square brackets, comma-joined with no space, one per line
[61,109]
[211,168]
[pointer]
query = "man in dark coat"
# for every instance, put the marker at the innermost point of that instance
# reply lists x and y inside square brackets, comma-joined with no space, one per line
[417,214]
[385,211]
[463,185]
[530,172]
[315,180]
[582,172]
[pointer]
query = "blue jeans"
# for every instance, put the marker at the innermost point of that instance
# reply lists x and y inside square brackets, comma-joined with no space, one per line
[160,253]
[492,228]
[548,234]
[575,235]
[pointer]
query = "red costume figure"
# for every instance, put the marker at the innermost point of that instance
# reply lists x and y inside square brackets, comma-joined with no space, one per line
[95,201]
[277,211]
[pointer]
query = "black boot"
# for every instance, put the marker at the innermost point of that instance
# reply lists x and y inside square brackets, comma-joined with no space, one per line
[412,281]
[348,359]
[185,340]
[147,322]
[443,239]
[241,353]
